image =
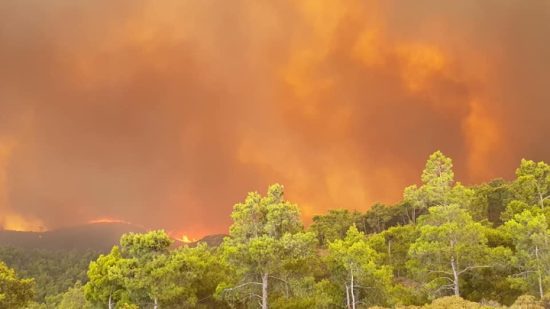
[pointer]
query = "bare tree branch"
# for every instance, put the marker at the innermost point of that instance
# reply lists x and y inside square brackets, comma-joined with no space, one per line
[473,267]
[240,286]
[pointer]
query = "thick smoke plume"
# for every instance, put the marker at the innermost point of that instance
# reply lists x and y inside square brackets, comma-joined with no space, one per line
[165,113]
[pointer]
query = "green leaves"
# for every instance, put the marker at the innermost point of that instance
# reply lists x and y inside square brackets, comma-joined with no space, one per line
[147,272]
[439,241]
[356,268]
[532,184]
[450,245]
[530,233]
[438,171]
[266,242]
[142,245]
[106,278]
[333,225]
[527,224]
[438,187]
[393,246]
[270,215]
[74,298]
[14,292]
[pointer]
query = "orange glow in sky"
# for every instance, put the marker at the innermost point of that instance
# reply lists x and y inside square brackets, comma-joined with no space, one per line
[166,113]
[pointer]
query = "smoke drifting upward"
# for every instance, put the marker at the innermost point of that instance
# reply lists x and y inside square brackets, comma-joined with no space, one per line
[166,113]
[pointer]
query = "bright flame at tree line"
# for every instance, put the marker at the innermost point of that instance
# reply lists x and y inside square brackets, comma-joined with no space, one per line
[21,225]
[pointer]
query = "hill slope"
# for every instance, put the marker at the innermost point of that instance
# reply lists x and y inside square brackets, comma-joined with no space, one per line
[94,236]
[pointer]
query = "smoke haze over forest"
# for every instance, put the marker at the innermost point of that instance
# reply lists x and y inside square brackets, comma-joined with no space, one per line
[165,113]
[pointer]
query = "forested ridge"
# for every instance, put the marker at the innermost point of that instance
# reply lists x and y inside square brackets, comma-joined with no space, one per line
[445,245]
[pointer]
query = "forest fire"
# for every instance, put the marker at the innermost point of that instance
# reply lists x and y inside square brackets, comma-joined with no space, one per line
[142,113]
[108,220]
[274,154]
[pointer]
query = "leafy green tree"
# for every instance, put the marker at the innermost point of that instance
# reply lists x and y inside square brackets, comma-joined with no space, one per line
[14,292]
[530,233]
[513,208]
[210,270]
[530,189]
[54,271]
[378,217]
[334,225]
[394,246]
[527,302]
[532,184]
[453,302]
[74,298]
[450,245]
[265,262]
[178,279]
[145,245]
[492,283]
[266,242]
[437,186]
[417,200]
[106,279]
[438,178]
[145,255]
[145,271]
[35,305]
[489,201]
[357,269]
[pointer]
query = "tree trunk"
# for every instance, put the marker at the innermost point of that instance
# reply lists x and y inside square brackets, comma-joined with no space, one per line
[455,277]
[110,301]
[352,288]
[348,303]
[156,305]
[389,249]
[539,272]
[264,290]
[541,291]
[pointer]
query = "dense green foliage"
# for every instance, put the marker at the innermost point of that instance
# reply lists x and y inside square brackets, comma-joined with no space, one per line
[54,271]
[445,245]
[267,248]
[144,272]
[14,291]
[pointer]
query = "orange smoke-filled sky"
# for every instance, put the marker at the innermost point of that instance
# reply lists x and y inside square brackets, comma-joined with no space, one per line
[166,113]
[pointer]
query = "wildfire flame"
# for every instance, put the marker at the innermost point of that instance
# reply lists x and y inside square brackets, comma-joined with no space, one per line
[108,220]
[16,222]
[186,239]
[156,108]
